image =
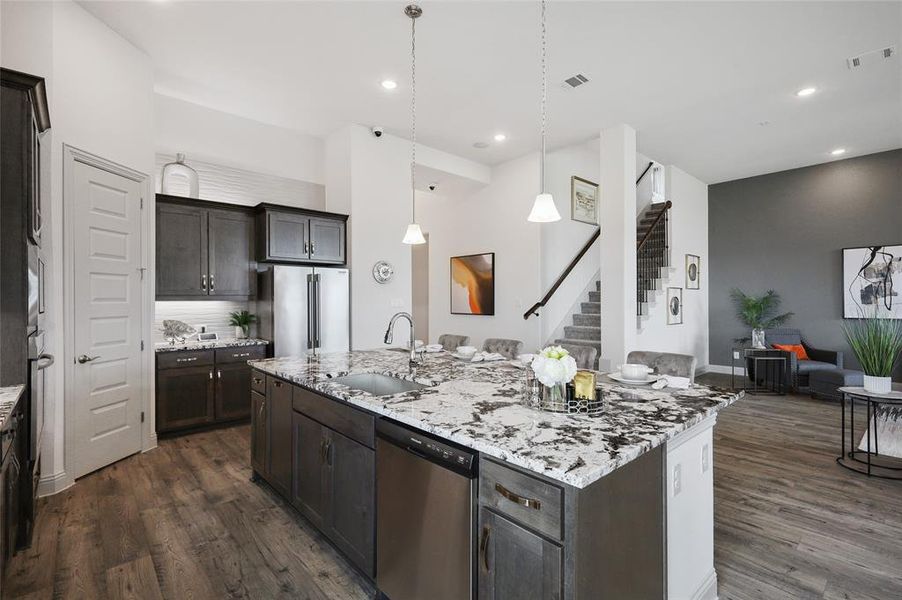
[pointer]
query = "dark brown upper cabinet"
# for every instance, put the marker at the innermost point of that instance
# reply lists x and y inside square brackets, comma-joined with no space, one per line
[286,235]
[204,249]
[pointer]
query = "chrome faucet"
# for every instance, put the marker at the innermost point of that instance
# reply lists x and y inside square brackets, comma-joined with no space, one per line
[414,361]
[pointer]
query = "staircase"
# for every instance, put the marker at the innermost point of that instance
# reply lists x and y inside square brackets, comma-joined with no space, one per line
[652,252]
[586,328]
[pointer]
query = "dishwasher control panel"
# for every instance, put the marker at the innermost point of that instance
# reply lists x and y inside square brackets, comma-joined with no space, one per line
[450,456]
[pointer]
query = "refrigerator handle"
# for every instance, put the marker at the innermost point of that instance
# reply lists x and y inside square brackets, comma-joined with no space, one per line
[310,312]
[318,297]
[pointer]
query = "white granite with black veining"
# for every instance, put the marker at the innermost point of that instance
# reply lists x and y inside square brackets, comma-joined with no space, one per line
[8,398]
[479,406]
[195,345]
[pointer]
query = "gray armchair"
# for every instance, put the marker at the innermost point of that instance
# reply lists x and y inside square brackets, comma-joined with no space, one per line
[504,347]
[798,371]
[450,342]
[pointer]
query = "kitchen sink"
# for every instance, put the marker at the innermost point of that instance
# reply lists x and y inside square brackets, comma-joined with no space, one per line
[378,385]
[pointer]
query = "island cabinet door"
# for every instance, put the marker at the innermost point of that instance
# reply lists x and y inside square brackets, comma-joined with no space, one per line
[278,400]
[308,442]
[516,563]
[351,498]
[258,433]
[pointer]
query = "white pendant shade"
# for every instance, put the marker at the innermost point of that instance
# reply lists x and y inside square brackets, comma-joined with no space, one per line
[544,210]
[414,235]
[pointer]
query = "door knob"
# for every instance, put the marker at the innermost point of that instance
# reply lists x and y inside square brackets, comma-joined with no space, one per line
[84,358]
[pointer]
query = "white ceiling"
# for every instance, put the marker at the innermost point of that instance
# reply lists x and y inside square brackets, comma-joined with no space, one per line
[695,79]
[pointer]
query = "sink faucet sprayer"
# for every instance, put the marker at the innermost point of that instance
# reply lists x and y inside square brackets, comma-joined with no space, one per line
[413,344]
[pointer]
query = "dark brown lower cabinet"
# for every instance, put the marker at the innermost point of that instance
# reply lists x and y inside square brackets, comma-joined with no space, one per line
[515,562]
[308,442]
[185,397]
[259,430]
[278,435]
[232,382]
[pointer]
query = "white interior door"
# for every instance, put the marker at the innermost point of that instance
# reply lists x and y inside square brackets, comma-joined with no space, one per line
[107,300]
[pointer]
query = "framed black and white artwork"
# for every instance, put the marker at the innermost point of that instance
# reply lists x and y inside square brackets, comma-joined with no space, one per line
[872,282]
[583,200]
[674,306]
[693,272]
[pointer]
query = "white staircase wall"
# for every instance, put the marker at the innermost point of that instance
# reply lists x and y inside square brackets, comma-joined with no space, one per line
[561,241]
[688,235]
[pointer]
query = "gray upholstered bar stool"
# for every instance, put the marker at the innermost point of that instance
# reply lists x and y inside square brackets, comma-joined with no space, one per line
[450,341]
[583,355]
[665,363]
[508,348]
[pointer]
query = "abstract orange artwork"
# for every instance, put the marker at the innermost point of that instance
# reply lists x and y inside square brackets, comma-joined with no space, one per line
[473,284]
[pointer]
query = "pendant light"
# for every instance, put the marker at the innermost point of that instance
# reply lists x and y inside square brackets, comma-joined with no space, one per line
[543,209]
[414,234]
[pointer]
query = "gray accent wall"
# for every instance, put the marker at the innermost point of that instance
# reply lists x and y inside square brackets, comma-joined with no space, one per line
[786,231]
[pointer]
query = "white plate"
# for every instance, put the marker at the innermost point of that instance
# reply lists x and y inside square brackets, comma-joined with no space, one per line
[459,357]
[434,348]
[616,376]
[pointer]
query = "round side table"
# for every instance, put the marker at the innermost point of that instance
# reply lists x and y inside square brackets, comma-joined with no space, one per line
[868,462]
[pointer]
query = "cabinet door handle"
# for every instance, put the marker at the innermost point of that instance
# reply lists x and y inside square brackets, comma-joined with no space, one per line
[322,451]
[306,248]
[262,407]
[211,374]
[219,374]
[312,248]
[203,282]
[212,283]
[484,547]
[517,499]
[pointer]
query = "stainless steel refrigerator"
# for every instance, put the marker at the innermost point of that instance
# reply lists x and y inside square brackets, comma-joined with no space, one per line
[304,310]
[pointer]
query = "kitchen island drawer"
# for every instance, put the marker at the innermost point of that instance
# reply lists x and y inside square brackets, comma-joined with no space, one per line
[258,382]
[346,420]
[239,354]
[530,501]
[184,358]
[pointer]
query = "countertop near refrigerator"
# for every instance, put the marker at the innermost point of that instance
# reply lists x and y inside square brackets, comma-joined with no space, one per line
[8,398]
[210,345]
[478,405]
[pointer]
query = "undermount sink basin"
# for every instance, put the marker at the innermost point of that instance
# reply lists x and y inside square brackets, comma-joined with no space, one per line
[378,385]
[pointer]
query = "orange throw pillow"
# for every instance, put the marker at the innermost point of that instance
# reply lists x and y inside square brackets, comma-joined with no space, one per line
[796,349]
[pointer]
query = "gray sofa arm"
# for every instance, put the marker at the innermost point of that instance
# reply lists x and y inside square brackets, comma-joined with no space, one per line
[827,356]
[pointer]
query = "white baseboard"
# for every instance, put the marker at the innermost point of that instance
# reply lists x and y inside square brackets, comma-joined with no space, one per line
[708,589]
[725,369]
[55,483]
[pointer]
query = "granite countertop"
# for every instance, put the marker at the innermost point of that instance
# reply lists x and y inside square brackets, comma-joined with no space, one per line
[478,405]
[195,345]
[8,398]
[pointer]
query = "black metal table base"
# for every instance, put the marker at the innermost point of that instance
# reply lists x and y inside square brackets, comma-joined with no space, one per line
[873,464]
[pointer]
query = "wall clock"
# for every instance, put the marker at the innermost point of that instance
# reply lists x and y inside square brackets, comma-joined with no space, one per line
[383,271]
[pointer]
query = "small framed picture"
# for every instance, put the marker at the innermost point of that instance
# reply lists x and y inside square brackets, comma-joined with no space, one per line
[693,272]
[583,200]
[674,306]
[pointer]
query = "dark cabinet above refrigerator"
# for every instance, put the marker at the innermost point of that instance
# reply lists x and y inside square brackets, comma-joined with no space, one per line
[296,236]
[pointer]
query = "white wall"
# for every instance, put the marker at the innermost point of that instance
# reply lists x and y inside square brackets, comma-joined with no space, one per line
[220,138]
[101,100]
[492,219]
[561,241]
[688,235]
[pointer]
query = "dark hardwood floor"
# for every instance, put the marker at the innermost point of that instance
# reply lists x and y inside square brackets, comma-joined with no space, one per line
[183,521]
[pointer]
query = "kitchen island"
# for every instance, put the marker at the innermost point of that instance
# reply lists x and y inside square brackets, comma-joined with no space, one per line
[601,529]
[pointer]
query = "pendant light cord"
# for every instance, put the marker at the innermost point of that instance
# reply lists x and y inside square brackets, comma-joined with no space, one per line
[413,119]
[544,97]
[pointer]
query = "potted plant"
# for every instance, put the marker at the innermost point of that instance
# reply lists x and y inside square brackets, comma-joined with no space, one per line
[758,313]
[554,368]
[877,344]
[241,320]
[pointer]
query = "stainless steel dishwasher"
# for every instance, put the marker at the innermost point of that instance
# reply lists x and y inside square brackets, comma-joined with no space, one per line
[425,501]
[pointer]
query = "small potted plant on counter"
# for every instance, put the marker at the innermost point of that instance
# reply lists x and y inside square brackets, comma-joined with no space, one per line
[241,320]
[757,313]
[877,344]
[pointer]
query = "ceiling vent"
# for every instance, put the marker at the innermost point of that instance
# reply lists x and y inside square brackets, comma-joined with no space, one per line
[575,81]
[871,58]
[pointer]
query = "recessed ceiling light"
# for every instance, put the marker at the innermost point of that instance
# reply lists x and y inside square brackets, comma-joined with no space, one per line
[389,84]
[805,92]
[480,145]
[838,151]
[500,137]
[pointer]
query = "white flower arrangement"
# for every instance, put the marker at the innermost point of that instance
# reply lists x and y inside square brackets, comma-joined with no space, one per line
[554,366]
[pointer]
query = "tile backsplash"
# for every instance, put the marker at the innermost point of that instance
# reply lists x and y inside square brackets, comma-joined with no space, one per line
[214,314]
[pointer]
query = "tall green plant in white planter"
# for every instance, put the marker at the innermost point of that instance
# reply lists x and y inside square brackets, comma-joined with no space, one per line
[877,344]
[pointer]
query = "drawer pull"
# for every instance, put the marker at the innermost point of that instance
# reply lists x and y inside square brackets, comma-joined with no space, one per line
[243,354]
[517,499]
[277,384]
[192,359]
[257,380]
